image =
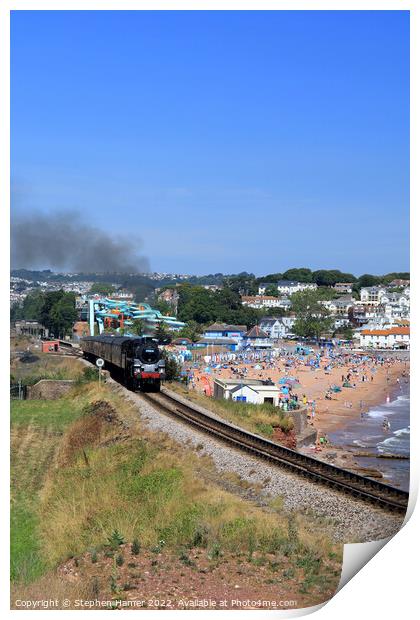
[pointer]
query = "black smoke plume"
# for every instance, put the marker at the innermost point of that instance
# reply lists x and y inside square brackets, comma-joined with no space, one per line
[65,241]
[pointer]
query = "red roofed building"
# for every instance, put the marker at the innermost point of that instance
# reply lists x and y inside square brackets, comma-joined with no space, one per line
[256,338]
[392,338]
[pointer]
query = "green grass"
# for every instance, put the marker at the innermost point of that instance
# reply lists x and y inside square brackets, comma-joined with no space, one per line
[52,414]
[79,479]
[26,562]
[36,430]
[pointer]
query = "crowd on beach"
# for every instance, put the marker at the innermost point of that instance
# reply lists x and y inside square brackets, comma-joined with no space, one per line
[320,375]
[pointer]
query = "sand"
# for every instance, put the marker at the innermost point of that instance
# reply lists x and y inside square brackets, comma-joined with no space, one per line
[330,415]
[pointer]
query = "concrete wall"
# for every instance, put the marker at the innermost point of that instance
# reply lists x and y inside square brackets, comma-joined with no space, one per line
[300,419]
[48,389]
[305,435]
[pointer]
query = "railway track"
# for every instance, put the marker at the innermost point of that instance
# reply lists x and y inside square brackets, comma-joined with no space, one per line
[372,491]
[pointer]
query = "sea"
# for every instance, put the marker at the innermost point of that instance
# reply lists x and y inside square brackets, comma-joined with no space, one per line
[368,435]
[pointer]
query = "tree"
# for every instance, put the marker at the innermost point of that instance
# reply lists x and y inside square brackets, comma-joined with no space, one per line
[368,280]
[196,304]
[63,314]
[102,288]
[347,333]
[162,333]
[271,277]
[312,318]
[164,307]
[301,274]
[244,283]
[329,277]
[172,367]
[30,308]
[138,327]
[191,330]
[46,311]
[272,290]
[203,306]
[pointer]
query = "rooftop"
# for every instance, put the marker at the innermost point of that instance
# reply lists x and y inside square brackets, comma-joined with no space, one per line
[256,332]
[393,331]
[222,327]
[217,341]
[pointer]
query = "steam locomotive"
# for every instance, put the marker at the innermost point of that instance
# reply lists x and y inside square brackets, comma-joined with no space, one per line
[136,362]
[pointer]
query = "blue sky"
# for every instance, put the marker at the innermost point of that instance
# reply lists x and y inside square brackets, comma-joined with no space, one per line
[228,141]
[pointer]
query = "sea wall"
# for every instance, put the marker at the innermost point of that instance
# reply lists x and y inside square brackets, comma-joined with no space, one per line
[305,435]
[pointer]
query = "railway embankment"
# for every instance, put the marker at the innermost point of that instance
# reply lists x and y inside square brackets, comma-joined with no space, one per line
[345,518]
[91,481]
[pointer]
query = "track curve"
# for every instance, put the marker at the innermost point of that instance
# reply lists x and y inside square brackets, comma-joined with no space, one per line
[372,491]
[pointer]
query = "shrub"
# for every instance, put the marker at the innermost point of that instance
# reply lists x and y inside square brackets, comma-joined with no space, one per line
[114,585]
[286,424]
[115,539]
[200,537]
[264,429]
[120,559]
[94,557]
[128,586]
[215,551]
[88,375]
[185,559]
[135,547]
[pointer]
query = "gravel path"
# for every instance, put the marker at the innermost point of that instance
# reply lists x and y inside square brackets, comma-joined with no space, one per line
[350,520]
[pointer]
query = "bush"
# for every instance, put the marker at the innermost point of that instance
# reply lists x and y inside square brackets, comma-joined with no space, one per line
[200,537]
[286,424]
[135,547]
[116,539]
[265,429]
[89,374]
[120,559]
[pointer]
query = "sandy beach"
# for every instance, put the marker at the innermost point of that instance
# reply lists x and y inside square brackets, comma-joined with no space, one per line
[381,382]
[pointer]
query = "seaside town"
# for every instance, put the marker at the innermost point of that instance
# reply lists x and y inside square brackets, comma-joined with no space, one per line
[321,353]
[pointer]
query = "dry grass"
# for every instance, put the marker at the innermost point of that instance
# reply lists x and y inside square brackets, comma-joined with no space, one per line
[259,419]
[108,473]
[46,367]
[51,587]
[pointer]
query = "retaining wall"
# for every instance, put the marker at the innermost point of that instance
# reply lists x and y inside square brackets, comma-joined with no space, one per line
[49,389]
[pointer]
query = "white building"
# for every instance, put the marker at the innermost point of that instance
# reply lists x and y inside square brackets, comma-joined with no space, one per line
[275,328]
[288,287]
[256,338]
[289,321]
[392,338]
[396,305]
[372,294]
[266,301]
[340,306]
[343,287]
[249,391]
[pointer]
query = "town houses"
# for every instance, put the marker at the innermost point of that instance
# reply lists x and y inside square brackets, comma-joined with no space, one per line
[286,287]
[266,301]
[391,338]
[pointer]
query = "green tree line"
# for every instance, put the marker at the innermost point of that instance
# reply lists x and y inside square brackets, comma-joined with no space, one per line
[55,310]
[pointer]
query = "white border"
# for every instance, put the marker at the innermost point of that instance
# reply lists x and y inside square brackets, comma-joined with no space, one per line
[386,586]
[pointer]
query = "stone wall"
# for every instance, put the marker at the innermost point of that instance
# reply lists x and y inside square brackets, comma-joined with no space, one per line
[305,435]
[49,389]
[300,419]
